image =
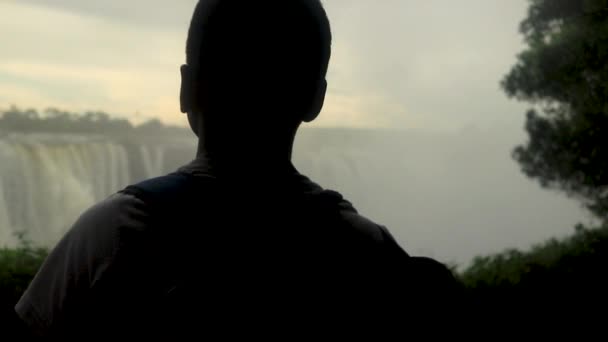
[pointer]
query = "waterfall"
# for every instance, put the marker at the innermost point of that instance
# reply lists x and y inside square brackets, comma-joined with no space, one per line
[45,185]
[153,159]
[5,231]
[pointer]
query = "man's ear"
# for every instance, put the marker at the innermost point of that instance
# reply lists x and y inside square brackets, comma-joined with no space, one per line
[186,89]
[317,103]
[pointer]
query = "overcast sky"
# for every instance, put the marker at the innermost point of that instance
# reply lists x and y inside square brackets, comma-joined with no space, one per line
[430,64]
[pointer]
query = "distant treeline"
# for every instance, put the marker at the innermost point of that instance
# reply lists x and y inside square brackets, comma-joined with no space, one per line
[53,120]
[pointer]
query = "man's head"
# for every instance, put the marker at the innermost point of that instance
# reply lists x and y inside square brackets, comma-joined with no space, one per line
[255,65]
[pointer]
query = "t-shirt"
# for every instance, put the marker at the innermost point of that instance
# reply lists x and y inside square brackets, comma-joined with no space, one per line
[249,243]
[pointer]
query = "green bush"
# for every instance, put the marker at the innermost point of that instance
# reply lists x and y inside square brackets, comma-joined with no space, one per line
[560,281]
[563,278]
[572,257]
[17,268]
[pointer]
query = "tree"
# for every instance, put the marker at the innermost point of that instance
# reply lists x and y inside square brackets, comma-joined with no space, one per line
[563,74]
[151,127]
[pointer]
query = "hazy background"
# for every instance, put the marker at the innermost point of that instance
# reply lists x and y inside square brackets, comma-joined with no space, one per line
[422,73]
[431,65]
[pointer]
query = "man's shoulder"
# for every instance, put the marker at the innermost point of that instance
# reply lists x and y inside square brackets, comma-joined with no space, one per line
[96,234]
[359,224]
[83,256]
[365,226]
[99,228]
[117,210]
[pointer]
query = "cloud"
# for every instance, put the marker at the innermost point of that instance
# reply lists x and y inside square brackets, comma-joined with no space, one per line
[152,13]
[53,36]
[128,91]
[441,60]
[429,64]
[87,63]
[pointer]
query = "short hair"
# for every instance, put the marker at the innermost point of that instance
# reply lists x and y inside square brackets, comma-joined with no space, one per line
[286,39]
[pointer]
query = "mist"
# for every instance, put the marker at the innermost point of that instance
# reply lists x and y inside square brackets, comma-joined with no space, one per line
[448,196]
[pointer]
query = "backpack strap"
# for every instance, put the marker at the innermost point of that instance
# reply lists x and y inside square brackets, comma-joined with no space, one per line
[174,193]
[168,189]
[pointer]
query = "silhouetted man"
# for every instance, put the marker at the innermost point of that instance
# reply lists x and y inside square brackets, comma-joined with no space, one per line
[237,241]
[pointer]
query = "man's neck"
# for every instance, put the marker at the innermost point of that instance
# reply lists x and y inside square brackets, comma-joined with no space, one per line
[249,162]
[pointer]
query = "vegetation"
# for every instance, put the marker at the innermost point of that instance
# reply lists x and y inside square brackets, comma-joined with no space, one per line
[17,268]
[53,120]
[559,278]
[560,258]
[560,281]
[564,75]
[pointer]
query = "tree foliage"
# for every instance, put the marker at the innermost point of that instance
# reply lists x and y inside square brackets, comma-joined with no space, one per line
[53,120]
[572,259]
[563,74]
[17,269]
[560,280]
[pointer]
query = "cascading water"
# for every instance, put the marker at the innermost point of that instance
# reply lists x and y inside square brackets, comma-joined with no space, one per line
[45,184]
[4,219]
[153,159]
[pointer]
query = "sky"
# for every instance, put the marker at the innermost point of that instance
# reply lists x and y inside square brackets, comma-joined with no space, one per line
[424,64]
